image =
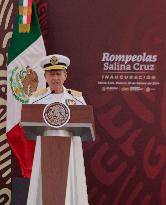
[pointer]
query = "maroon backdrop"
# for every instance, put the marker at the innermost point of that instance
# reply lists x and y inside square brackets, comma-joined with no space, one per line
[126,165]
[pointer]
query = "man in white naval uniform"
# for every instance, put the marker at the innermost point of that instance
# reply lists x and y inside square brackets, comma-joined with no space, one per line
[55,74]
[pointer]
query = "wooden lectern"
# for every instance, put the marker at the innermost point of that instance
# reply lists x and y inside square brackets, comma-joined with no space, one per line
[58,156]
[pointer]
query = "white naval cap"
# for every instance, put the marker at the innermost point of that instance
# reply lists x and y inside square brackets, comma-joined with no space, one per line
[55,62]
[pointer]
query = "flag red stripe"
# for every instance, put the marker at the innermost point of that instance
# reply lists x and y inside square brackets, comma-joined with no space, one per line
[22,148]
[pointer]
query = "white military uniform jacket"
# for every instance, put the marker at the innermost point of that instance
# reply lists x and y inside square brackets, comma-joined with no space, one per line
[68,97]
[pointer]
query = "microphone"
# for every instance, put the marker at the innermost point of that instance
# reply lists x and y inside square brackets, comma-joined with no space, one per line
[52,92]
[69,91]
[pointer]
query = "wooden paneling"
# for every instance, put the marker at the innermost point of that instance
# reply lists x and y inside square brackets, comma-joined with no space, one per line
[54,160]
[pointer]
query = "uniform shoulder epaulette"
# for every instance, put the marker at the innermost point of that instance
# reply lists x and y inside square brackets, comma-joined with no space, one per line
[75,93]
[39,92]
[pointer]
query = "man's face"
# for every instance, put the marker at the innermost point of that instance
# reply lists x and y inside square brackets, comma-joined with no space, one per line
[55,79]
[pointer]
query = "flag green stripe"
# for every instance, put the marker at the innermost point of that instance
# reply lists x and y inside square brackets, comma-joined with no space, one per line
[21,41]
[20,2]
[20,19]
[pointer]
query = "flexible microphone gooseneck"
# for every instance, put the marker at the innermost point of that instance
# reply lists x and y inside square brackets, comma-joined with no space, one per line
[69,91]
[52,92]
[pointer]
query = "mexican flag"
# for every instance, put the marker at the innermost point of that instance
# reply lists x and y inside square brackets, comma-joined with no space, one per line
[24,76]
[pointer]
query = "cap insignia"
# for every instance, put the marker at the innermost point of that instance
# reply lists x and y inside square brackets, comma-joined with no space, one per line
[54,60]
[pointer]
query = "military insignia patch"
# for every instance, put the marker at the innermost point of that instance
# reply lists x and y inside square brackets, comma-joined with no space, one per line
[70,102]
[23,82]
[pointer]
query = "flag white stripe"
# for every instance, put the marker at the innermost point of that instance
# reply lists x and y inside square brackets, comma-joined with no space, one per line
[29,57]
[24,19]
[25,2]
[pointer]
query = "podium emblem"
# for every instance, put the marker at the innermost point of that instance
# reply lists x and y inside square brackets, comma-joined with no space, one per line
[56,114]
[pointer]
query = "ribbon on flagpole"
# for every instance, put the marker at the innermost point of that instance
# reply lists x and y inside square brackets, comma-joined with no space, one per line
[25,13]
